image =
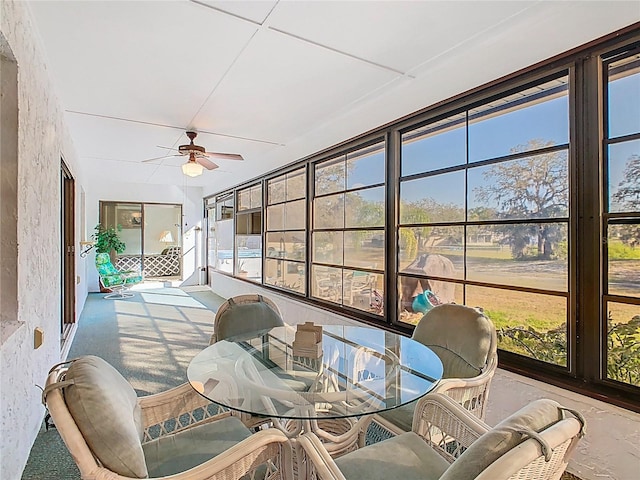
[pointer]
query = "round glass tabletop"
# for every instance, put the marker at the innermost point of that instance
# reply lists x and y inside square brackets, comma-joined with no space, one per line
[315,371]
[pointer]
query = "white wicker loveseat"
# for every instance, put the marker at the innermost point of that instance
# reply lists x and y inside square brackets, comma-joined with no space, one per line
[165,264]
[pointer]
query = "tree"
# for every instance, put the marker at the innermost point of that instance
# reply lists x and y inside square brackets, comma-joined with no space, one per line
[627,199]
[529,188]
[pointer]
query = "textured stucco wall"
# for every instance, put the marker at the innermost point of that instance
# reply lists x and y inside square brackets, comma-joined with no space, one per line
[42,141]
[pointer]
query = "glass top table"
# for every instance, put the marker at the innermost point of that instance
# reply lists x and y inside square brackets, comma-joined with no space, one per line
[302,376]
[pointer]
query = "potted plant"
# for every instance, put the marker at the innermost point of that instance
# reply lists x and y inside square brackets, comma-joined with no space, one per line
[108,241]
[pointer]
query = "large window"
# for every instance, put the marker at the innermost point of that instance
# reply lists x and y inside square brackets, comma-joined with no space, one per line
[249,233]
[286,231]
[348,248]
[522,198]
[622,219]
[220,244]
[484,216]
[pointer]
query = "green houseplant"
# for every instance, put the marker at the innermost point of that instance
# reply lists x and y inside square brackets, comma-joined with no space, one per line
[108,241]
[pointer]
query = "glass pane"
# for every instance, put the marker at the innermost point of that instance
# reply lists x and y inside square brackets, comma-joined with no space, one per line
[296,184]
[289,245]
[244,199]
[126,218]
[256,196]
[224,246]
[531,187]
[330,176]
[295,215]
[276,190]
[275,217]
[438,145]
[364,291]
[211,236]
[364,248]
[327,247]
[623,348]
[527,120]
[529,324]
[365,208]
[441,251]
[225,210]
[360,290]
[326,283]
[366,167]
[249,264]
[414,303]
[623,248]
[284,274]
[162,233]
[529,255]
[430,199]
[624,177]
[624,97]
[328,212]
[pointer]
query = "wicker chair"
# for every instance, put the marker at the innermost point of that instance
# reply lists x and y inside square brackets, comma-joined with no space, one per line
[245,314]
[465,340]
[447,442]
[112,434]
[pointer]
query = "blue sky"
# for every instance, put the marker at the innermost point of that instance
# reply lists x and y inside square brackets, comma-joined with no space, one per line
[497,136]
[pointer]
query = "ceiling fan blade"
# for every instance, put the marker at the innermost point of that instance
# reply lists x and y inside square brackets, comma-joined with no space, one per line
[159,158]
[167,148]
[206,163]
[224,156]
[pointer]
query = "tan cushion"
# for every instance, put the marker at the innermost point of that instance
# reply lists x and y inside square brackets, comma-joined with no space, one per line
[405,457]
[189,448]
[536,416]
[105,408]
[461,336]
[244,320]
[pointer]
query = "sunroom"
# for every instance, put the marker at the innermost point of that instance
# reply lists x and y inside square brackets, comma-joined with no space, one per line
[369,161]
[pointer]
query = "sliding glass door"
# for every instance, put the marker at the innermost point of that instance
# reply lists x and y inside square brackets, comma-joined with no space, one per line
[152,235]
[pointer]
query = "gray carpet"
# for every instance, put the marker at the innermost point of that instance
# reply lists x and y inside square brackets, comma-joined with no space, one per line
[149,338]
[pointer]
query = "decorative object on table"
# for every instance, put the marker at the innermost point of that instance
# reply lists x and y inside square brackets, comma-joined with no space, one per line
[117,281]
[112,433]
[307,346]
[465,340]
[308,340]
[448,443]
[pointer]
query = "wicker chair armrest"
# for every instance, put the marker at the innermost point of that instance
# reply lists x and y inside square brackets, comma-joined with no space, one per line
[182,405]
[446,426]
[313,456]
[267,446]
[472,393]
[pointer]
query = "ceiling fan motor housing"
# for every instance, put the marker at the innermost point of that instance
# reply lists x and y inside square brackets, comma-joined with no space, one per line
[191,147]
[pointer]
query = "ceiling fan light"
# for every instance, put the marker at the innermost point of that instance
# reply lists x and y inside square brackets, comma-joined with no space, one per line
[192,169]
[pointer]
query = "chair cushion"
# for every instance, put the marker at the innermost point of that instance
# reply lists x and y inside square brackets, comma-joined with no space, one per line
[105,408]
[461,336]
[405,457]
[189,448]
[536,416]
[401,416]
[244,320]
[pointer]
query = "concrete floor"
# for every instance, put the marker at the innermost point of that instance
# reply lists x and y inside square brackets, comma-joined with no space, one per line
[611,446]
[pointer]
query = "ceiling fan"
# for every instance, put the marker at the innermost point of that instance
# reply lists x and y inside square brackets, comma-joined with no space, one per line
[198,157]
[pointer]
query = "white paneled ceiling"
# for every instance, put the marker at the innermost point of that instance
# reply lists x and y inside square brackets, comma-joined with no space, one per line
[278,80]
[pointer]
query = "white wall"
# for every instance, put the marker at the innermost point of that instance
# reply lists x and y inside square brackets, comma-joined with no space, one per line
[189,197]
[42,141]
